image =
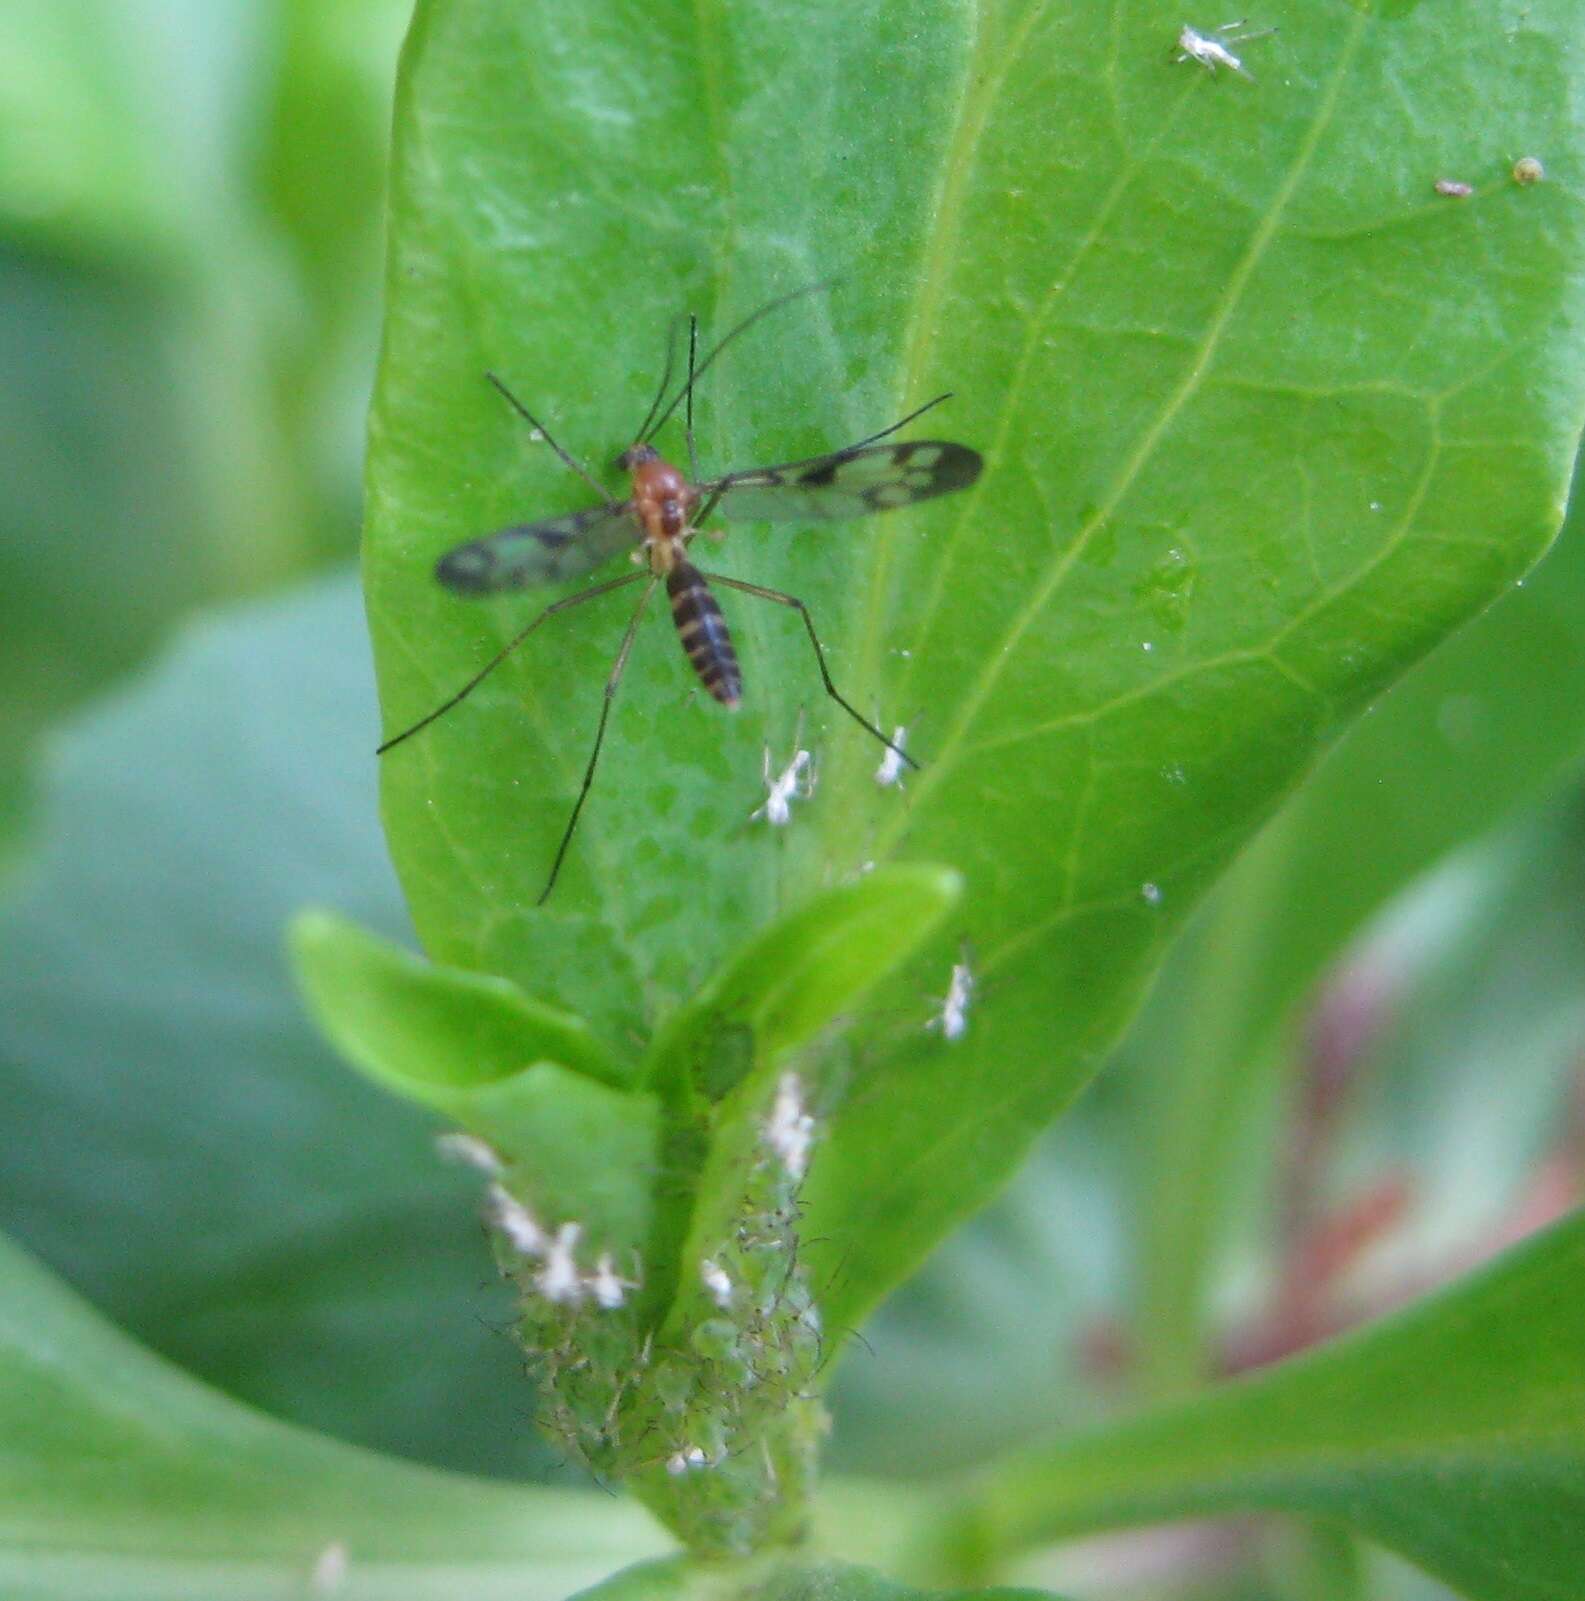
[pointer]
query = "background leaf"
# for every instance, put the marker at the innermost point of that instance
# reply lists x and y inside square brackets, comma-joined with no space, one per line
[1451,1432]
[184,360]
[674,1580]
[1031,1319]
[1264,416]
[186,1148]
[1481,728]
[122,1476]
[414,1025]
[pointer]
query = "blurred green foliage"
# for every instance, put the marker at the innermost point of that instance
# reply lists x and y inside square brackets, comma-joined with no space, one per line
[190,204]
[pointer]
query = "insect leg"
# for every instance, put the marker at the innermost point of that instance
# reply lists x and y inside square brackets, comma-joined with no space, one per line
[697,520]
[611,683]
[544,433]
[820,655]
[506,650]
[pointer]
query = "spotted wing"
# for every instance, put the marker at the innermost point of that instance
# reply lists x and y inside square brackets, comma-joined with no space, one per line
[848,483]
[539,553]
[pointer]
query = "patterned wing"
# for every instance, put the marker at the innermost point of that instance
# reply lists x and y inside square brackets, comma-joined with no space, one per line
[848,483]
[539,553]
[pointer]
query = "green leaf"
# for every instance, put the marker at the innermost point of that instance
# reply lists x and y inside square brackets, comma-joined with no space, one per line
[123,1476]
[180,408]
[1453,1432]
[487,1057]
[1475,972]
[994,1341]
[800,976]
[1481,728]
[716,1061]
[1264,419]
[422,1029]
[184,1146]
[675,1579]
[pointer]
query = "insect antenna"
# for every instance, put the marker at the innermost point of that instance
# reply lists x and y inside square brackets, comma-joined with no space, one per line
[727,338]
[665,377]
[693,350]
[544,433]
[886,433]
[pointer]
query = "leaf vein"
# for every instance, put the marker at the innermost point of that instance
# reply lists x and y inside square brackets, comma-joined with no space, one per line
[994,664]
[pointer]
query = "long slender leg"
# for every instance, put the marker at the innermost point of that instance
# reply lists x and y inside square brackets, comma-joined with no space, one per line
[544,433]
[709,506]
[611,683]
[506,650]
[820,655]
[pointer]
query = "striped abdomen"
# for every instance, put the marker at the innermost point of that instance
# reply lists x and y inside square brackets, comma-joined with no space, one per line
[703,632]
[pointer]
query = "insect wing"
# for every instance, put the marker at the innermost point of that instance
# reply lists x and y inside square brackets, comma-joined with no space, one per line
[539,553]
[849,483]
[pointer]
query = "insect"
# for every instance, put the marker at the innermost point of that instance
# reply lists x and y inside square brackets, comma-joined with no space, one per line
[1212,50]
[796,781]
[953,1016]
[890,770]
[658,520]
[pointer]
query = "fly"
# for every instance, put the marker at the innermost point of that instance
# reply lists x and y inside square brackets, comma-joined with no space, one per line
[663,512]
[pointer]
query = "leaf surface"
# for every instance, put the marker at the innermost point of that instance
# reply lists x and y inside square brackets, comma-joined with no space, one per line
[1264,417]
[676,1580]
[123,1476]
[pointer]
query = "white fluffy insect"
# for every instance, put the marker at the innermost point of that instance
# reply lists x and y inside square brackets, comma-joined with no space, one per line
[717,1281]
[796,781]
[558,1280]
[890,770]
[790,1130]
[470,1151]
[505,1212]
[607,1286]
[788,785]
[1214,49]
[953,1018]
